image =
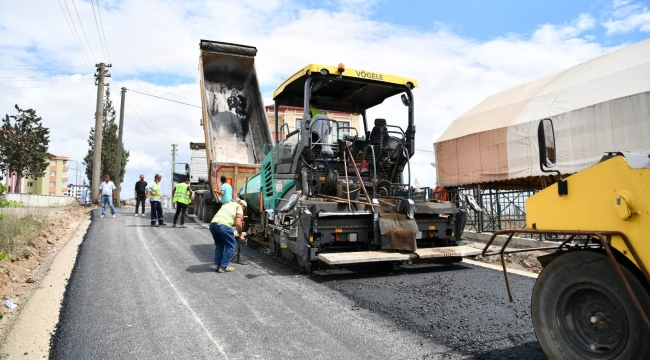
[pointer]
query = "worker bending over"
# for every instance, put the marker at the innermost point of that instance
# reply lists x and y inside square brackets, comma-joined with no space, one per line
[230,215]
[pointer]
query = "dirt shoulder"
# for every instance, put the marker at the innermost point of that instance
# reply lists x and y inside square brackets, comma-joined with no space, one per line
[21,276]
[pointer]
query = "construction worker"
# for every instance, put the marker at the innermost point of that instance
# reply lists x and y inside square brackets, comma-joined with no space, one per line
[155,196]
[230,215]
[226,190]
[181,196]
[107,194]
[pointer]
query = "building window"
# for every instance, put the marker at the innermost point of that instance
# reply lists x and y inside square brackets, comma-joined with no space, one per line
[341,133]
[65,173]
[53,162]
[52,184]
[298,124]
[64,184]
[52,194]
[30,183]
[52,173]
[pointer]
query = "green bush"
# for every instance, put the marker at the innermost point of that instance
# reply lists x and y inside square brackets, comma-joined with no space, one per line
[20,230]
[4,203]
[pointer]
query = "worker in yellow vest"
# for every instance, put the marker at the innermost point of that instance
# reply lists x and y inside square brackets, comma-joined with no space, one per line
[181,196]
[230,215]
[155,196]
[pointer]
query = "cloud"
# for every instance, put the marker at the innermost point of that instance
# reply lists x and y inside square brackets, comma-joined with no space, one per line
[628,16]
[154,49]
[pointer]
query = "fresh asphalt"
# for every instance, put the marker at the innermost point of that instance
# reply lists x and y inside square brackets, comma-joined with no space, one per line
[141,292]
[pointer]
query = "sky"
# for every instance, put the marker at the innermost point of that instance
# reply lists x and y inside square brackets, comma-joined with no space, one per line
[460,52]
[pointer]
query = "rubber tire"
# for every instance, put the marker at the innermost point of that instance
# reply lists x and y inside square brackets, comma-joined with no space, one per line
[592,267]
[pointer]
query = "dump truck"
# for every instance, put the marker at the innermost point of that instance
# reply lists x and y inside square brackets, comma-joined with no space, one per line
[592,298]
[233,119]
[319,202]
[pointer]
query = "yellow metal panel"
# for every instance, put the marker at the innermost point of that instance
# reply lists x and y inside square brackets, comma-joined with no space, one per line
[591,205]
[351,73]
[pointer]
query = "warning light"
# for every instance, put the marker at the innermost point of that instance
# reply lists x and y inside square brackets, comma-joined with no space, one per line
[337,238]
[430,235]
[341,68]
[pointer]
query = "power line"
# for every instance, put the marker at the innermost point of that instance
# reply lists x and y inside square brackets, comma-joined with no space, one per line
[160,97]
[102,24]
[39,87]
[75,39]
[144,122]
[50,80]
[33,77]
[429,151]
[83,30]
[27,67]
[75,30]
[97,26]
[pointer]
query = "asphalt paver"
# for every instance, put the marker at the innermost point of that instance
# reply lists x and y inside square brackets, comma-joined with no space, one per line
[150,293]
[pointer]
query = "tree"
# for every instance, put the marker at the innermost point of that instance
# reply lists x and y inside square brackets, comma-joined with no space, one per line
[109,146]
[24,145]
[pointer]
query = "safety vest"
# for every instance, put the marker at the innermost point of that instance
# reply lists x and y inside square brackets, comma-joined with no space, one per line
[314,112]
[227,214]
[182,193]
[155,187]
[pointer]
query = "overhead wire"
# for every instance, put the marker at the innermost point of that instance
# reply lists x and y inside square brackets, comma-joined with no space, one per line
[75,30]
[102,25]
[75,39]
[84,31]
[39,87]
[160,97]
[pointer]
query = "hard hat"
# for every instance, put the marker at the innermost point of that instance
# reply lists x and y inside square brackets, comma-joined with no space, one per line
[241,202]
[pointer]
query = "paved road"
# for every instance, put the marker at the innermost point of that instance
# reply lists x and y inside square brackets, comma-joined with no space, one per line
[150,293]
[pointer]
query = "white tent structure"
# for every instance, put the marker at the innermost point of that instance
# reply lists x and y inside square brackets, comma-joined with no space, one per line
[599,106]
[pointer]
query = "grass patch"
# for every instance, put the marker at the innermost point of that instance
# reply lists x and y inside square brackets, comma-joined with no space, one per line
[19,230]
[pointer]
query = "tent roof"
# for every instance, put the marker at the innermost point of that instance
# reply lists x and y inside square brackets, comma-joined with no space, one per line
[621,73]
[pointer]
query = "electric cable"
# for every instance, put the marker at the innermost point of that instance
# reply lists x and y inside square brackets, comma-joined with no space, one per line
[102,25]
[75,39]
[83,30]
[160,97]
[75,30]
[97,26]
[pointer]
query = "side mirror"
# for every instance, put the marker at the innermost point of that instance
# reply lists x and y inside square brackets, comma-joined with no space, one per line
[267,148]
[405,100]
[547,154]
[546,140]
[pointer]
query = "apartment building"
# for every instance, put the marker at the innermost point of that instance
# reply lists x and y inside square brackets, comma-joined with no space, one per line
[292,117]
[54,181]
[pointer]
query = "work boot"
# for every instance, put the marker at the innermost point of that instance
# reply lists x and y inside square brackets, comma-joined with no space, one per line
[162,224]
[136,214]
[154,225]
[113,216]
[102,216]
[226,269]
[216,267]
[142,215]
[183,226]
[174,225]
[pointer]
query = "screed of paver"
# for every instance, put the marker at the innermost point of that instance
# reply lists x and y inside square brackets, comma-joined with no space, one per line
[30,336]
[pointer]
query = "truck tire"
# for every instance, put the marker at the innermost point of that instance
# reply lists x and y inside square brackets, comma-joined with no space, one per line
[581,310]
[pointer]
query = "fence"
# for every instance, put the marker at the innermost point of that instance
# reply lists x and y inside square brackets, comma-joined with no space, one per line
[489,209]
[41,200]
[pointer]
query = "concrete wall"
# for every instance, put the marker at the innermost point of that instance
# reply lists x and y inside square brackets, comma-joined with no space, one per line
[41,200]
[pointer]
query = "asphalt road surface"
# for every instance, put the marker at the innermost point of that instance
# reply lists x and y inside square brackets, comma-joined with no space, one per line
[138,292]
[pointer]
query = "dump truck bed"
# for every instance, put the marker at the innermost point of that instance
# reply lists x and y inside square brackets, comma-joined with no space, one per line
[234,120]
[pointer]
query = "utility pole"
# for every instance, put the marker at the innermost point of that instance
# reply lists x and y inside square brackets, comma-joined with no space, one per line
[174,150]
[118,156]
[102,72]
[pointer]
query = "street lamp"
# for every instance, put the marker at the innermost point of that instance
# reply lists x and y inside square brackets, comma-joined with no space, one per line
[77,171]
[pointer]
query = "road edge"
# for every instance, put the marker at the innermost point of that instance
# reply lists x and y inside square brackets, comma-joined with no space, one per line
[33,327]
